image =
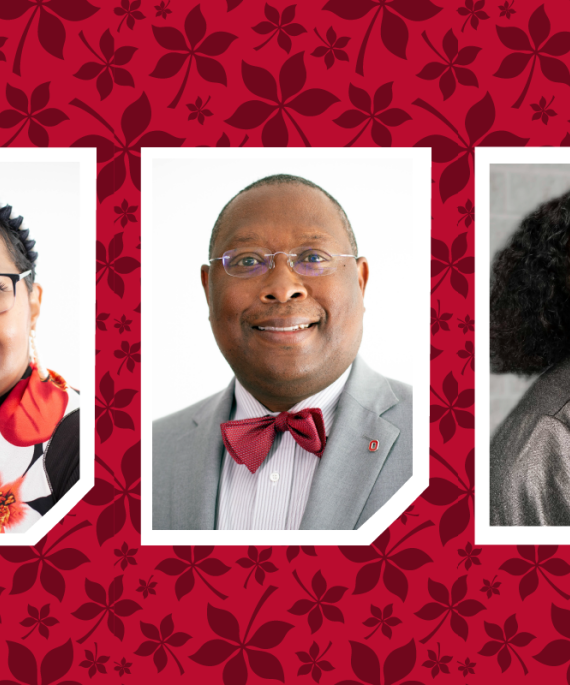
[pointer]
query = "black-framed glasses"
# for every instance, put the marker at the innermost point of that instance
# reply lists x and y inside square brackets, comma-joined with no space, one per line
[8,289]
[248,262]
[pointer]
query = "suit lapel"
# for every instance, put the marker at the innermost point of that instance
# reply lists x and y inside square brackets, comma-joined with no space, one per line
[197,475]
[348,469]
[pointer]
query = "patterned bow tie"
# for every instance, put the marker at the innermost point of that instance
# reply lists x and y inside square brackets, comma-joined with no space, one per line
[249,440]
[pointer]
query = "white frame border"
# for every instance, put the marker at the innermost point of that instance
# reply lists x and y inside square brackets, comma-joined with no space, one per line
[420,184]
[87,159]
[485,534]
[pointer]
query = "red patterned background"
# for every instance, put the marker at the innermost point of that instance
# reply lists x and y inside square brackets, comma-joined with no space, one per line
[423,602]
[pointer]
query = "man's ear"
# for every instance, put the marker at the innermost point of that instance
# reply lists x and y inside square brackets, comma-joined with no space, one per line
[35,299]
[205,276]
[362,266]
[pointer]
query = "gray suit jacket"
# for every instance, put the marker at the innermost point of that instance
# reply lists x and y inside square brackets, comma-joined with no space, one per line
[530,456]
[350,483]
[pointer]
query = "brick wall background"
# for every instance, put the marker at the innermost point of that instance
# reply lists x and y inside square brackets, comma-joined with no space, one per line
[516,189]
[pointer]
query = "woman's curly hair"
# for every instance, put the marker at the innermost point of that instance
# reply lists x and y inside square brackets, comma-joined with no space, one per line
[530,293]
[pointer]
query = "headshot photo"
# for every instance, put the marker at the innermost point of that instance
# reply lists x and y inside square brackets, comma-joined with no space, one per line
[292,422]
[40,337]
[529,346]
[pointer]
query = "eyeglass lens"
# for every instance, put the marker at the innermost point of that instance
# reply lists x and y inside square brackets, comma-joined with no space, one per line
[254,261]
[6,294]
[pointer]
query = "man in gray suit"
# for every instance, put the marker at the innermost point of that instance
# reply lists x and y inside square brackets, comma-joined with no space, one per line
[306,436]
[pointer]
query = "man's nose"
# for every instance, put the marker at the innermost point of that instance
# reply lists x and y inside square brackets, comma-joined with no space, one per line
[281,283]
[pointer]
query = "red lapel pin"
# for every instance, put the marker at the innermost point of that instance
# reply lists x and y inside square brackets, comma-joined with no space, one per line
[373,446]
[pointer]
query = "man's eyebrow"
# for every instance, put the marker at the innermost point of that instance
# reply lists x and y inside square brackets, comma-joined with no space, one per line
[255,238]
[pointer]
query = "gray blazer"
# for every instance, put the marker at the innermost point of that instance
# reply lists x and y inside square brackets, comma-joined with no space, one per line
[350,483]
[530,456]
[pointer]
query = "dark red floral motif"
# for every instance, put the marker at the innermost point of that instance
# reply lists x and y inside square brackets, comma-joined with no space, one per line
[542,110]
[504,641]
[491,587]
[110,262]
[383,619]
[126,556]
[281,25]
[34,559]
[467,324]
[313,662]
[378,557]
[452,66]
[109,412]
[320,603]
[292,78]
[112,519]
[366,666]
[262,663]
[134,122]
[293,552]
[409,511]
[467,667]
[101,319]
[35,113]
[455,264]
[536,560]
[437,662]
[123,324]
[129,354]
[258,562]
[372,112]
[160,643]
[107,69]
[439,320]
[123,667]
[393,30]
[478,122]
[469,354]
[126,213]
[198,49]
[442,492]
[40,620]
[51,30]
[129,11]
[107,604]
[434,353]
[467,212]
[474,13]
[94,663]
[455,607]
[469,556]
[451,411]
[3,39]
[198,111]
[24,667]
[147,587]
[162,9]
[557,652]
[546,52]
[331,49]
[192,561]
[507,9]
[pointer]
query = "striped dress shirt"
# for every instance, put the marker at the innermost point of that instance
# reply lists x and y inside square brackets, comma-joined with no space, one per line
[275,496]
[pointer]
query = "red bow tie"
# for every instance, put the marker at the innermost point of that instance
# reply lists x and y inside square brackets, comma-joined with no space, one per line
[249,440]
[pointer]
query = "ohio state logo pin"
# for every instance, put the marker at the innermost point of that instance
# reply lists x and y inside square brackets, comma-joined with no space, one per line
[373,446]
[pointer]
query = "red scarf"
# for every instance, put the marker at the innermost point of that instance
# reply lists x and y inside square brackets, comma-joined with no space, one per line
[32,410]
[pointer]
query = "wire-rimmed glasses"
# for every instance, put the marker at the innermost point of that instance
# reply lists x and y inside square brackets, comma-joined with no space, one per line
[8,289]
[248,262]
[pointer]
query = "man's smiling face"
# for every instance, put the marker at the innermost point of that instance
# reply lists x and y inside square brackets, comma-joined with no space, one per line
[280,368]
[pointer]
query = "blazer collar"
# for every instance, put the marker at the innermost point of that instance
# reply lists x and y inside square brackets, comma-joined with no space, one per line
[348,469]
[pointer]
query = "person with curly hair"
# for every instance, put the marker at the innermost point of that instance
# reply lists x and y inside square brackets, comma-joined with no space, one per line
[530,333]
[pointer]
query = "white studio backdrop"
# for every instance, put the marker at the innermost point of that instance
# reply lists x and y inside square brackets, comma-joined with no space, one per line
[47,195]
[187,196]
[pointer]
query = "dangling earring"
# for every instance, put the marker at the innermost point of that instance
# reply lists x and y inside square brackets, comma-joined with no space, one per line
[42,372]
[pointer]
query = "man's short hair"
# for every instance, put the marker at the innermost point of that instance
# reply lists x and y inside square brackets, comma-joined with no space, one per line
[282,179]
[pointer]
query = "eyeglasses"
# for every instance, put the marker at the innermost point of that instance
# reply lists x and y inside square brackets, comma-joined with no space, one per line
[248,262]
[8,289]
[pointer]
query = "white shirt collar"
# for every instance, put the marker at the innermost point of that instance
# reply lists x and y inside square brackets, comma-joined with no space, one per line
[247,407]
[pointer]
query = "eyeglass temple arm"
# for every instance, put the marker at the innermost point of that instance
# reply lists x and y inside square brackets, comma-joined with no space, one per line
[23,275]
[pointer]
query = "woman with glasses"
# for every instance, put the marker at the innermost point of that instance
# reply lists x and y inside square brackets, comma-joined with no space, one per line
[39,413]
[530,333]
